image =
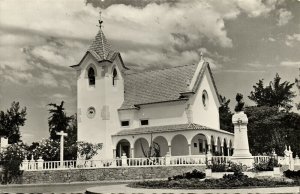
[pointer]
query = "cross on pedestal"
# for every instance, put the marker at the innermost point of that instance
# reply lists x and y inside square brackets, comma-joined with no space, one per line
[62,135]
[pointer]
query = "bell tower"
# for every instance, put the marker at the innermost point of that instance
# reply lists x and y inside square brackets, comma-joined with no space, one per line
[100,93]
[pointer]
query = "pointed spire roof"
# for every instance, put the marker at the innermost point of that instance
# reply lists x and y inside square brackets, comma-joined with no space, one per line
[101,47]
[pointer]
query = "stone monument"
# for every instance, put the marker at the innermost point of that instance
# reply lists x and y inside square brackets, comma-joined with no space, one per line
[241,146]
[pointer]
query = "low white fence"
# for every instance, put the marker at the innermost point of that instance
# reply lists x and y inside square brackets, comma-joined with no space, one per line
[40,164]
[261,159]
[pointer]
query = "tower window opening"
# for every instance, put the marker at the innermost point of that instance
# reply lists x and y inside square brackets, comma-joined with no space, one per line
[91,76]
[115,77]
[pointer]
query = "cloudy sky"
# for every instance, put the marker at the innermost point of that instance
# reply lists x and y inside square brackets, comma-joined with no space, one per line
[244,41]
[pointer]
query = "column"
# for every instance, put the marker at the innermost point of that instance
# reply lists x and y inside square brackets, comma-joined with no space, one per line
[216,147]
[222,151]
[170,149]
[228,151]
[114,153]
[190,149]
[131,153]
[208,148]
[208,155]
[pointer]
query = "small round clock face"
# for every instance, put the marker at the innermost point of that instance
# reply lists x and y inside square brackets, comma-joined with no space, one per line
[91,112]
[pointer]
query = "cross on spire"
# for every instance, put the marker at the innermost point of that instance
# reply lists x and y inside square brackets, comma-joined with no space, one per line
[100,20]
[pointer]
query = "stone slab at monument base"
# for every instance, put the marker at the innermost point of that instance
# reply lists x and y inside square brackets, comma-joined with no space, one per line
[244,160]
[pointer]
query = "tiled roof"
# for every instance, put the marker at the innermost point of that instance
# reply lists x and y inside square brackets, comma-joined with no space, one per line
[100,48]
[159,129]
[157,85]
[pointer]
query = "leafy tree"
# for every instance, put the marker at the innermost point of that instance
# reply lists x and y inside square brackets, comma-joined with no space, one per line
[270,128]
[48,149]
[88,150]
[225,115]
[72,131]
[10,160]
[58,121]
[11,121]
[297,81]
[264,129]
[275,94]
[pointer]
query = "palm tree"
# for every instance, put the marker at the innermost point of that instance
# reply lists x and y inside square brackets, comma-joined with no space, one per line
[58,120]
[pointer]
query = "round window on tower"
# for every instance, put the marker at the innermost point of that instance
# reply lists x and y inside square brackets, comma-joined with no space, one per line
[205,99]
[91,112]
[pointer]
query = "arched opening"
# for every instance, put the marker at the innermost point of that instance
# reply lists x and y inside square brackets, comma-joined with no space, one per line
[212,143]
[199,144]
[219,151]
[230,148]
[225,148]
[179,146]
[162,144]
[123,146]
[91,76]
[141,148]
[114,77]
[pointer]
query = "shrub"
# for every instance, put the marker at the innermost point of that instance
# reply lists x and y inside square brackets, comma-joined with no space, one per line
[11,159]
[292,174]
[236,180]
[215,167]
[233,167]
[195,174]
[266,166]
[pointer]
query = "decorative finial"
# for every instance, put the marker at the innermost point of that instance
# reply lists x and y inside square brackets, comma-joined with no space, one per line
[201,56]
[100,20]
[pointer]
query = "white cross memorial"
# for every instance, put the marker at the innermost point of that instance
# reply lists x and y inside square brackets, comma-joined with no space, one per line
[62,135]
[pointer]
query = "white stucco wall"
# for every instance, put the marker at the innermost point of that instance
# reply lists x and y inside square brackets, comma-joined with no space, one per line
[206,116]
[105,98]
[158,114]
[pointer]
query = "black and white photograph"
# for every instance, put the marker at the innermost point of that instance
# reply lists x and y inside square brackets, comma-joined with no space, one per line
[149,96]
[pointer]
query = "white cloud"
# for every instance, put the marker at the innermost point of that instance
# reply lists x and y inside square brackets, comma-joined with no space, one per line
[291,39]
[271,39]
[284,17]
[290,63]
[255,64]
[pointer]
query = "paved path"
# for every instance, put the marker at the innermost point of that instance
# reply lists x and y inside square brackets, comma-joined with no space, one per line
[51,188]
[122,188]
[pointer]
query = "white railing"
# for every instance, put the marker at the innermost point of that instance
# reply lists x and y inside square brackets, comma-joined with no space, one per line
[187,160]
[33,165]
[221,159]
[168,160]
[154,161]
[261,159]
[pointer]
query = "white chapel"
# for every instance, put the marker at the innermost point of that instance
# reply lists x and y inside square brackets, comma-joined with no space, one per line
[175,108]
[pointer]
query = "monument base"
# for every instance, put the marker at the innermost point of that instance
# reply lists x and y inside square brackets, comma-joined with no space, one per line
[244,160]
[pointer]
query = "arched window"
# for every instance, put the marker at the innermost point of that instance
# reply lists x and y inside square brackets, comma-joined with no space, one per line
[115,77]
[91,76]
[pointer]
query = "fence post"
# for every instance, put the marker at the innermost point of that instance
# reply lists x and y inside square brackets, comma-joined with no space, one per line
[32,163]
[286,156]
[40,163]
[25,164]
[297,160]
[124,160]
[168,159]
[209,158]
[291,159]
